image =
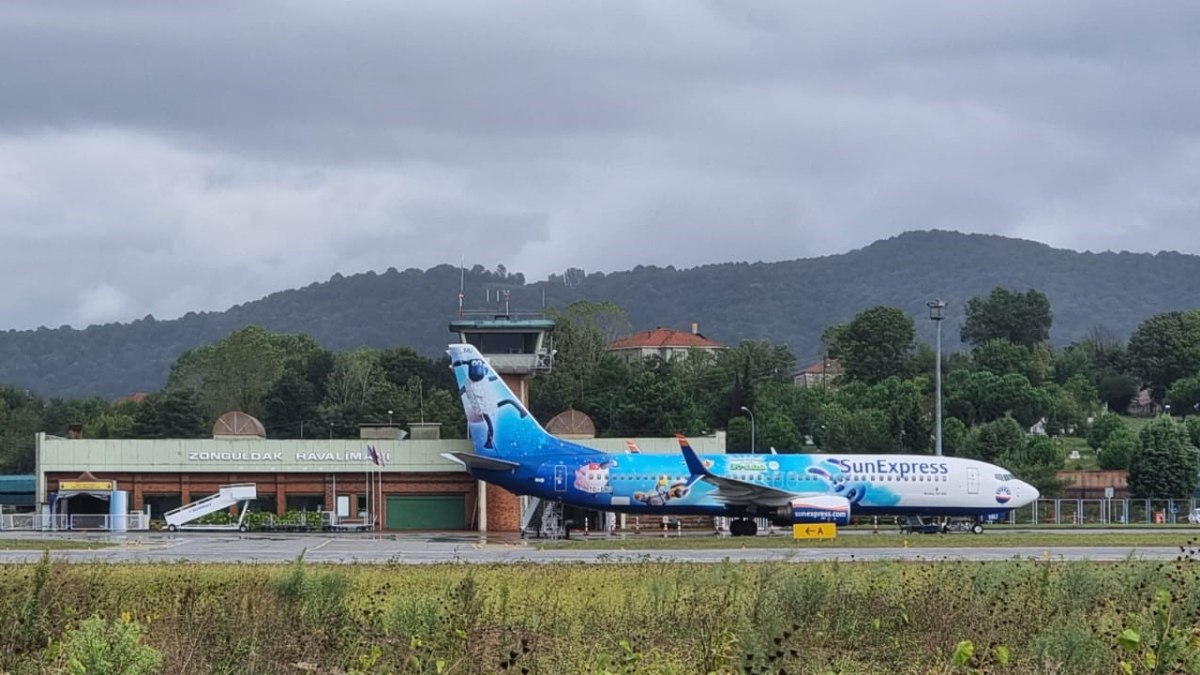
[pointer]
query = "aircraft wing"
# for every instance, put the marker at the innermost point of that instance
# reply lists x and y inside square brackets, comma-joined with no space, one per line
[473,461]
[731,490]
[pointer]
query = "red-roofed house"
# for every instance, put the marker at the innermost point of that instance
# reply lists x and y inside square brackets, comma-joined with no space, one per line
[664,343]
[823,373]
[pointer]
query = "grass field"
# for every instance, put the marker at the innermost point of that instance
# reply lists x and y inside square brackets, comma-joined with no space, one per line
[958,540]
[643,617]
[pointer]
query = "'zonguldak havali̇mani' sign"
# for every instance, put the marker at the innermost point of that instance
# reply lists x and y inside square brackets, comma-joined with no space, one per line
[270,457]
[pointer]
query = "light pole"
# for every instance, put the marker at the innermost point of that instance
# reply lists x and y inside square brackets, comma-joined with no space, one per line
[752,425]
[937,312]
[389,418]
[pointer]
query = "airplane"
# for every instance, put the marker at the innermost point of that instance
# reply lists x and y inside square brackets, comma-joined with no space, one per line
[631,448]
[512,450]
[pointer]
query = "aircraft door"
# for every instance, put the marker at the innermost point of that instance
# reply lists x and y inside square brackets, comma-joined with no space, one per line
[972,480]
[560,478]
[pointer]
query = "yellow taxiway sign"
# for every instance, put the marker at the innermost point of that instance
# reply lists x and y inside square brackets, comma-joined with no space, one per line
[822,531]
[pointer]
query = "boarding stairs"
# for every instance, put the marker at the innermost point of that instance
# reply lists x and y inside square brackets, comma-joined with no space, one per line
[543,518]
[226,496]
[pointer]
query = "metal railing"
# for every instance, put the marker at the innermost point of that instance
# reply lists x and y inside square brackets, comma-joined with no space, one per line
[1105,512]
[40,522]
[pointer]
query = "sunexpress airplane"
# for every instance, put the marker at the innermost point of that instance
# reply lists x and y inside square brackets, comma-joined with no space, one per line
[513,451]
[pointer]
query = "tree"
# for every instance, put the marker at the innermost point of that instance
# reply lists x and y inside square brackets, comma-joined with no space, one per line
[581,336]
[1166,348]
[58,414]
[20,420]
[981,396]
[1036,461]
[109,425]
[908,411]
[657,403]
[876,345]
[1192,425]
[1020,318]
[996,438]
[1103,427]
[1059,407]
[859,431]
[1082,392]
[289,405]
[355,392]
[171,414]
[830,338]
[1001,357]
[785,413]
[1166,462]
[1116,391]
[236,372]
[739,372]
[1184,396]
[955,436]
[1118,449]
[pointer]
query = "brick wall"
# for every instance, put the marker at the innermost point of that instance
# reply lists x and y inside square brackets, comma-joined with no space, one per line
[503,510]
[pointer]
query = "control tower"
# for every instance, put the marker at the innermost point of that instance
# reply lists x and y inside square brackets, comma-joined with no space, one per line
[516,345]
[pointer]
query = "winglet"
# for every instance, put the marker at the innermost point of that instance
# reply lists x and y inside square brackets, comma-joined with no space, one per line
[694,465]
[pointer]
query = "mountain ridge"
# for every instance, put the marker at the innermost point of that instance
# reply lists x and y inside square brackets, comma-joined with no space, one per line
[788,302]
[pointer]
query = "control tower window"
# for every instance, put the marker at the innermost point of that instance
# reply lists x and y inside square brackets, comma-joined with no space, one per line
[503,343]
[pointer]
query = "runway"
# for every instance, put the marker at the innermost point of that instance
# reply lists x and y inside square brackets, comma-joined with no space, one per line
[467,548]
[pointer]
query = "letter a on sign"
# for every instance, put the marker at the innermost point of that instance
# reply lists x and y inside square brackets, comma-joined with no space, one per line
[814,531]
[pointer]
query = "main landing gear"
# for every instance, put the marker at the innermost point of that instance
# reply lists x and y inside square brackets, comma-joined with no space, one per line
[743,528]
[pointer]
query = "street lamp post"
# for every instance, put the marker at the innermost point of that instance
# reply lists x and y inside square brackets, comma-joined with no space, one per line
[937,312]
[389,418]
[752,425]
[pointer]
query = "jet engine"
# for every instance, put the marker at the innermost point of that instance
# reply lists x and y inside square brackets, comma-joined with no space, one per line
[816,509]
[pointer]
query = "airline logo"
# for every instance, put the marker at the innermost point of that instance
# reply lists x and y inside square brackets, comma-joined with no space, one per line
[888,467]
[1003,494]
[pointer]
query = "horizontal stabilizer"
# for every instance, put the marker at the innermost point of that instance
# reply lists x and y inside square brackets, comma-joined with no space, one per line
[473,461]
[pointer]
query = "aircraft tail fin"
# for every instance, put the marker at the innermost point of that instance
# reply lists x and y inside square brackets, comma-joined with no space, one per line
[631,447]
[497,422]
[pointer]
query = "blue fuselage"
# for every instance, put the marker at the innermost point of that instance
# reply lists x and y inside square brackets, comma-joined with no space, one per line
[872,484]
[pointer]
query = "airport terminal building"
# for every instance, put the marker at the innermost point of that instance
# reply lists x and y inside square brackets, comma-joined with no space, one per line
[414,487]
[417,487]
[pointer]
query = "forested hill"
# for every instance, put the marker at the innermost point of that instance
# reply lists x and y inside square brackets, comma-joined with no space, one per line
[786,302]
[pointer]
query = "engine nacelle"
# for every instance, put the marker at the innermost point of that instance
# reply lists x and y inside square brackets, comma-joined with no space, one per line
[816,509]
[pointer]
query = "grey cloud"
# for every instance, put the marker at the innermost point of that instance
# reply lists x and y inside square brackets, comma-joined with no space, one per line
[176,156]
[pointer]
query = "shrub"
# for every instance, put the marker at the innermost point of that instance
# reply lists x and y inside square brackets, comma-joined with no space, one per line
[103,647]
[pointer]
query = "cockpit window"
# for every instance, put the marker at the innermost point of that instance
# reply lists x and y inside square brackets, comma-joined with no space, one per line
[1004,476]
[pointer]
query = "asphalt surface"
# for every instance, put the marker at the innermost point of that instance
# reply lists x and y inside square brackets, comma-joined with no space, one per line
[473,548]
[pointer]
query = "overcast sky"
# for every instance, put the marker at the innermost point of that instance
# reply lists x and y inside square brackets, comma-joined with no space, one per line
[166,157]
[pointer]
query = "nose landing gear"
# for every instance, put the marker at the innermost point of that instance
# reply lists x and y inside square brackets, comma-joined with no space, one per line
[743,527]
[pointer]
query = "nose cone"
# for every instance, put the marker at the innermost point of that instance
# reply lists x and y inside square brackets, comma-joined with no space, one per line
[1029,494]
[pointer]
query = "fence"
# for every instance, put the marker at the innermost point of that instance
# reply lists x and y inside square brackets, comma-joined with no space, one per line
[1105,512]
[42,522]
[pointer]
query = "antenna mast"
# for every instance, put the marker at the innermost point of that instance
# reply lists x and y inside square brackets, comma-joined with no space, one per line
[462,282]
